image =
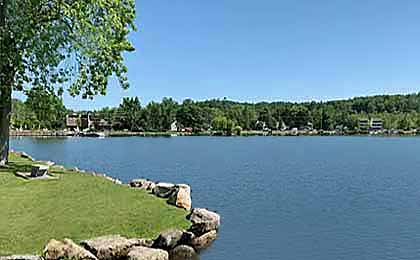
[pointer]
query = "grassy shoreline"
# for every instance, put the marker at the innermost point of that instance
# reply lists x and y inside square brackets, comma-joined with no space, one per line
[77,206]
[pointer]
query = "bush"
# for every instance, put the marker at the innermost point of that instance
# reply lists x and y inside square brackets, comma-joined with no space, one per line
[237,130]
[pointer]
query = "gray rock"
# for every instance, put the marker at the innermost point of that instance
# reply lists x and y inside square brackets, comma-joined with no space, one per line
[183,252]
[142,184]
[137,183]
[204,241]
[203,221]
[21,257]
[168,240]
[66,249]
[145,253]
[181,196]
[141,242]
[187,238]
[150,186]
[111,247]
[163,190]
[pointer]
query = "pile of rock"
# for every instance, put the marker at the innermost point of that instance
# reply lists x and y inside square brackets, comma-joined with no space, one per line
[170,245]
[205,225]
[103,248]
[143,184]
[177,194]
[199,236]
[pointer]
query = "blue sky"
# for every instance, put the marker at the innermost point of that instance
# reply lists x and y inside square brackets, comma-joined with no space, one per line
[293,50]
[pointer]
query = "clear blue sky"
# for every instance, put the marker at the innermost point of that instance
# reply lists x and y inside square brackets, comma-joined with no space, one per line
[249,50]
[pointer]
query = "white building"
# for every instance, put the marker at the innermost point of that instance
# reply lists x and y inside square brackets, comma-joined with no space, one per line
[174,126]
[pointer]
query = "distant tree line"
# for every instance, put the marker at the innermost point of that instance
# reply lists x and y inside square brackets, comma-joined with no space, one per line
[396,111]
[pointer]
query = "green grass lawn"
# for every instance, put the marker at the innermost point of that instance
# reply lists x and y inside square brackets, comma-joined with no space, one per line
[77,206]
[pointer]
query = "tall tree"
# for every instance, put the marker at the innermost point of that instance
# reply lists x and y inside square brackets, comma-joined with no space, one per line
[130,110]
[61,43]
[169,110]
[49,109]
[22,116]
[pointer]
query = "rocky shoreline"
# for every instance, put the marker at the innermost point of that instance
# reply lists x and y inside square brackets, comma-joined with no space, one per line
[169,245]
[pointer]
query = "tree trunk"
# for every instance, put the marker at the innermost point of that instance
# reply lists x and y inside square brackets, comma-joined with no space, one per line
[6,80]
[5,112]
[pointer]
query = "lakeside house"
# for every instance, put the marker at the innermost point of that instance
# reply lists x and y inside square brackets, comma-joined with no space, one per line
[376,124]
[83,121]
[364,124]
[72,122]
[372,124]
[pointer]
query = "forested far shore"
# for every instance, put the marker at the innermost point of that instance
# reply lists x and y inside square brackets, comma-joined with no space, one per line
[44,111]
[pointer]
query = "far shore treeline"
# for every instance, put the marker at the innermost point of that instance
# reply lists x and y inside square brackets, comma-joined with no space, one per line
[43,111]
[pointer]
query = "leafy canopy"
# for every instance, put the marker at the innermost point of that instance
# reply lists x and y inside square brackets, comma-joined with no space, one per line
[71,44]
[49,109]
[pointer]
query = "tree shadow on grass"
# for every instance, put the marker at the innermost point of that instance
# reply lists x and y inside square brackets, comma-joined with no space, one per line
[13,167]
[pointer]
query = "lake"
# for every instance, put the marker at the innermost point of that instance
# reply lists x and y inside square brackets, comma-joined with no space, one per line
[291,198]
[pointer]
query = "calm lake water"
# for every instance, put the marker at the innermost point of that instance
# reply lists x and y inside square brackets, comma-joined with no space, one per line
[291,198]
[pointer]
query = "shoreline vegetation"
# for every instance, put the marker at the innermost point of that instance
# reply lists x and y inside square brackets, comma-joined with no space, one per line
[62,133]
[372,115]
[121,221]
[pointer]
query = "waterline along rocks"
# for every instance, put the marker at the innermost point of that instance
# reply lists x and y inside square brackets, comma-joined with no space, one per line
[66,249]
[169,245]
[112,247]
[176,194]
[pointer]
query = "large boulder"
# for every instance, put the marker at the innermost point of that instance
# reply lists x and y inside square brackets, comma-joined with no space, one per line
[183,252]
[163,190]
[187,238]
[21,257]
[168,240]
[181,196]
[142,184]
[145,253]
[66,249]
[111,247]
[204,241]
[137,183]
[203,221]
